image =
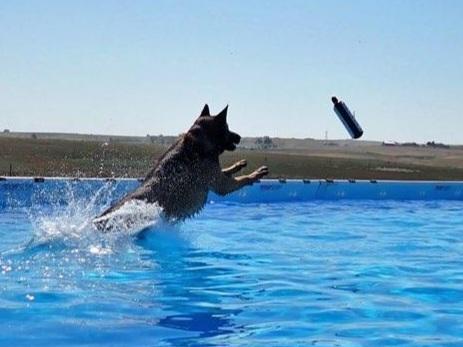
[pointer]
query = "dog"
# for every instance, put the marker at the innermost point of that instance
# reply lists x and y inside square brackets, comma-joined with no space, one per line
[182,177]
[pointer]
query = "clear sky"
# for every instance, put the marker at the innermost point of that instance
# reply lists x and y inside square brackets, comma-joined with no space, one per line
[138,67]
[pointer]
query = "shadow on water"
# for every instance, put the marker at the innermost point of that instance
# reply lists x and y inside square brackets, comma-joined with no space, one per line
[187,289]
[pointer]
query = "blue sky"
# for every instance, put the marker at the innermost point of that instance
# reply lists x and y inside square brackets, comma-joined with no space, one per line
[139,67]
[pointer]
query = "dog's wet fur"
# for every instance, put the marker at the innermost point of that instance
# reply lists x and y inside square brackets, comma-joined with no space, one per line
[182,177]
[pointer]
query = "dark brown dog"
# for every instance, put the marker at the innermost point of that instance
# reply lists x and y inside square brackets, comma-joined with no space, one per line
[183,176]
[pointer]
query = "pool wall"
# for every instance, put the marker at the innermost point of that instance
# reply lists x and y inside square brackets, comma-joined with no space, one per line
[25,191]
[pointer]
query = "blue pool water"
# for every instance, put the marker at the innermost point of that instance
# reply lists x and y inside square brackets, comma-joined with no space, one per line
[313,273]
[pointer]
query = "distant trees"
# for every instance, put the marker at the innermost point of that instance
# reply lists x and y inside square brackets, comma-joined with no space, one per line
[436,144]
[159,139]
[430,144]
[265,142]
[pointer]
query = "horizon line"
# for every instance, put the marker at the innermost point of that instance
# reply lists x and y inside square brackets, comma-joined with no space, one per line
[8,132]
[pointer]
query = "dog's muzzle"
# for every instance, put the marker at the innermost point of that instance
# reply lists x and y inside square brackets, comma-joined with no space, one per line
[233,140]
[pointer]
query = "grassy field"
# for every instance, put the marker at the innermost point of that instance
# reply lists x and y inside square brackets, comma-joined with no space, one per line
[58,157]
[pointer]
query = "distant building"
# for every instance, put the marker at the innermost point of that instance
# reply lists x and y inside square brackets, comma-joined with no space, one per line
[390,143]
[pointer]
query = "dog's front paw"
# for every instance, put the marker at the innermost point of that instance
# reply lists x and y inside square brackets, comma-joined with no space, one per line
[241,164]
[259,173]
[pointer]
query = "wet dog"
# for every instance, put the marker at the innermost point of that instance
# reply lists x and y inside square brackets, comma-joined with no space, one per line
[182,177]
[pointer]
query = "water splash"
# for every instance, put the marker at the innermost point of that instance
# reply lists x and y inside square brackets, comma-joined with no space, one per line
[132,217]
[72,224]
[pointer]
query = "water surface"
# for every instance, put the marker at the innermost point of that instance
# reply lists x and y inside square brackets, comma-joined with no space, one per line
[343,273]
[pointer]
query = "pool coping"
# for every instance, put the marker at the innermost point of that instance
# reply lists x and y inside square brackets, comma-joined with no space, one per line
[269,180]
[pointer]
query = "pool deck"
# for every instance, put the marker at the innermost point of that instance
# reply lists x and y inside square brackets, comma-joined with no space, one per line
[29,190]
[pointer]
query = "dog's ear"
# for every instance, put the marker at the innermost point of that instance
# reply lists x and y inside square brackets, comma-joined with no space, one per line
[222,116]
[205,111]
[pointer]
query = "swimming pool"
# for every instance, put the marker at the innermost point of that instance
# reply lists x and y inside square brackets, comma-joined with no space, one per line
[320,270]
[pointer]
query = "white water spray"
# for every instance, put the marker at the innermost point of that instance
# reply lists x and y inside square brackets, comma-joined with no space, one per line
[72,224]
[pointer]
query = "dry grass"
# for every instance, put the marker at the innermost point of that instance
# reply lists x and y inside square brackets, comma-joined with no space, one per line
[40,157]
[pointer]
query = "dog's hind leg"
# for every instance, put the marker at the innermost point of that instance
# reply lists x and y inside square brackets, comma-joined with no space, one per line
[231,170]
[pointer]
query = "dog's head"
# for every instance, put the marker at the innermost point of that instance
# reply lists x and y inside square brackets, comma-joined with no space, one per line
[211,133]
